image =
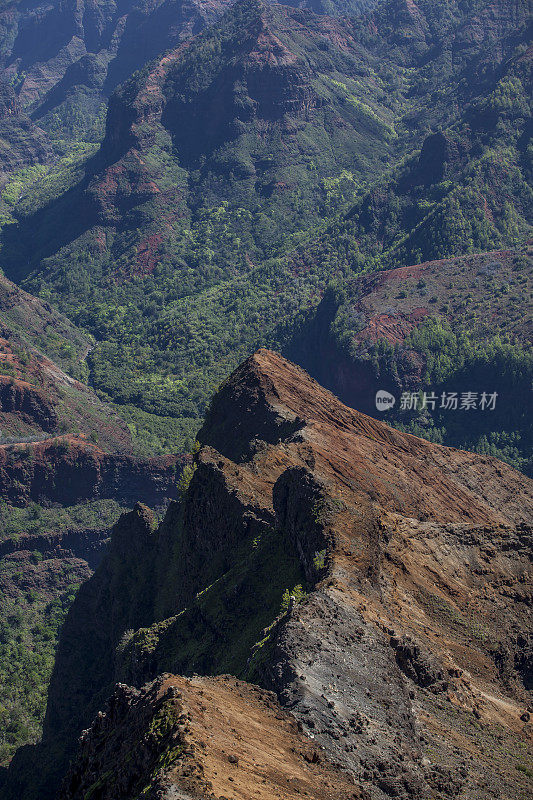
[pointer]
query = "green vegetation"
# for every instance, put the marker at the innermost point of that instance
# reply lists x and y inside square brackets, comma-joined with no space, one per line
[472,625]
[36,592]
[244,231]
[526,770]
[458,361]
[182,244]
[154,435]
[188,472]
[249,596]
[35,519]
[319,561]
[29,629]
[297,592]
[474,337]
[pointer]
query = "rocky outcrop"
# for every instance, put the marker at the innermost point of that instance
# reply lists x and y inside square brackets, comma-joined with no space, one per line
[35,319]
[162,739]
[86,545]
[379,584]
[474,37]
[95,46]
[67,470]
[28,403]
[442,155]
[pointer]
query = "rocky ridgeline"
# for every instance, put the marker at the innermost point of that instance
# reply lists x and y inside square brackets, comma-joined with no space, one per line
[175,720]
[380,585]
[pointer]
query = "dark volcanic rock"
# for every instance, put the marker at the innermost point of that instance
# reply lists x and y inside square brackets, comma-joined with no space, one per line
[68,471]
[28,403]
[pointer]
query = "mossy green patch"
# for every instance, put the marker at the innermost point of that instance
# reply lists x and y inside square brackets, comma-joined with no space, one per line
[215,634]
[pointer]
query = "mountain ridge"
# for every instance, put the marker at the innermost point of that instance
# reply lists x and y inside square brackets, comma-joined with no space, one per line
[348,183]
[347,160]
[357,516]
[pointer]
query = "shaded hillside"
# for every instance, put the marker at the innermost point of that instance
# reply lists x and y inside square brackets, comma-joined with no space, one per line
[450,326]
[22,144]
[58,500]
[242,171]
[45,553]
[258,101]
[65,59]
[377,582]
[66,470]
[60,493]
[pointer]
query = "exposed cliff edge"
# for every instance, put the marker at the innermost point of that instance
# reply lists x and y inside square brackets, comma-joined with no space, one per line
[405,651]
[70,470]
[220,737]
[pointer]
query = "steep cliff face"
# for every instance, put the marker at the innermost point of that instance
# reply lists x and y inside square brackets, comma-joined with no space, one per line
[253,111]
[85,545]
[42,326]
[378,583]
[41,459]
[67,470]
[59,47]
[27,403]
[60,494]
[471,37]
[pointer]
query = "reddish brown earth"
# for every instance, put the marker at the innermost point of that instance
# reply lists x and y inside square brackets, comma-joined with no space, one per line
[222,738]
[38,399]
[429,546]
[486,294]
[39,351]
[457,288]
[59,442]
[408,663]
[91,44]
[41,325]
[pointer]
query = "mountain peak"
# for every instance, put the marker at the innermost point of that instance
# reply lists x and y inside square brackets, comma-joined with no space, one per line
[270,400]
[331,559]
